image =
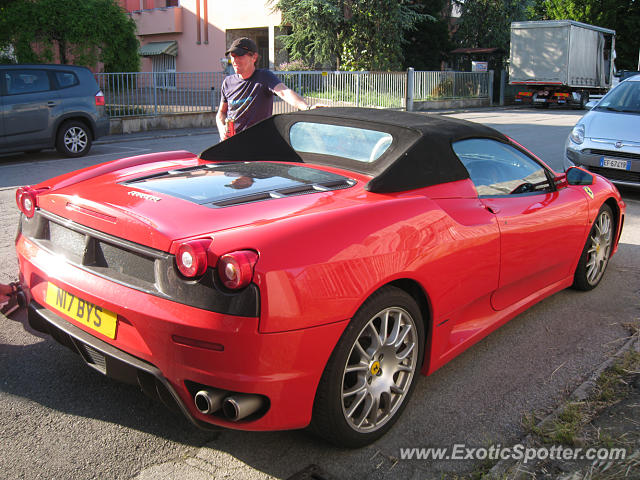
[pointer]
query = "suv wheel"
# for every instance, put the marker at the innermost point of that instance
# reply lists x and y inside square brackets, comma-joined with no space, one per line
[74,139]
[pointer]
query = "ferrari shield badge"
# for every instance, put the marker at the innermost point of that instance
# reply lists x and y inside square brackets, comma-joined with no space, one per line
[589,192]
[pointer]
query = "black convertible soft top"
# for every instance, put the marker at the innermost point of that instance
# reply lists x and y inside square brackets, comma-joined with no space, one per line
[420,155]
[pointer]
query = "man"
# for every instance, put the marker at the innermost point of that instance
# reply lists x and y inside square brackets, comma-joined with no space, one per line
[247,96]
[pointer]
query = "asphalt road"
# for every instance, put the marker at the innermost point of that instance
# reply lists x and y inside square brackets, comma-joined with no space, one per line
[60,419]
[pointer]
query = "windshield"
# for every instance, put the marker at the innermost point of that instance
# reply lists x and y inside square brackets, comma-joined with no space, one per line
[358,144]
[623,98]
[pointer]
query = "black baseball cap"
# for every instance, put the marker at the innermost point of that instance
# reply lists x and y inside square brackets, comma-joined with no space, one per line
[242,45]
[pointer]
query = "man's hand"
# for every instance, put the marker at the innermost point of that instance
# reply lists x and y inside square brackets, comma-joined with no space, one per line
[221,120]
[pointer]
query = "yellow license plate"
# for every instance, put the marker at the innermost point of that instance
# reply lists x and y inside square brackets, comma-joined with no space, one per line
[95,317]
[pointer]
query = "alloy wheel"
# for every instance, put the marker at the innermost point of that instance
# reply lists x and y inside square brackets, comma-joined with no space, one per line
[75,139]
[379,370]
[600,247]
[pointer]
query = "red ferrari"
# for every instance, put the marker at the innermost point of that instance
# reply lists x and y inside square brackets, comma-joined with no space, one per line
[303,272]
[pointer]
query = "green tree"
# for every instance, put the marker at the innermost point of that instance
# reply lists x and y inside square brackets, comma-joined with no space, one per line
[623,16]
[317,32]
[428,44]
[85,33]
[348,34]
[487,23]
[376,34]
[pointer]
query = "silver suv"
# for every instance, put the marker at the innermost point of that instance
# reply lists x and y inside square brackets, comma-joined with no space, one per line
[45,106]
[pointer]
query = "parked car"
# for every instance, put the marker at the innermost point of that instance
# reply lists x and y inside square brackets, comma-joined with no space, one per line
[46,106]
[303,272]
[621,75]
[607,139]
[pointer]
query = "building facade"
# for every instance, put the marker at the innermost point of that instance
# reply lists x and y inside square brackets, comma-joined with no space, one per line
[193,35]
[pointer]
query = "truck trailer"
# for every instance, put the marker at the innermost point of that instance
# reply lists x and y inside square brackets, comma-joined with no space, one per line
[560,61]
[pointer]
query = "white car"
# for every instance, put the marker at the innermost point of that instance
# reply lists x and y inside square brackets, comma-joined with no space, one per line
[607,139]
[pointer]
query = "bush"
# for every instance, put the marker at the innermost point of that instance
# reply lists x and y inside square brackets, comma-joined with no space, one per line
[293,66]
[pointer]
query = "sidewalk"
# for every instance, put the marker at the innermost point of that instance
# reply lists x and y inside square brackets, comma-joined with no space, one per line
[153,134]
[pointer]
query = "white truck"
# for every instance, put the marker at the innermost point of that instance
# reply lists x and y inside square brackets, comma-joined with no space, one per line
[560,61]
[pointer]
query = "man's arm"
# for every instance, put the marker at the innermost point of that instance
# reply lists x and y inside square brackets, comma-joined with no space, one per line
[221,117]
[290,96]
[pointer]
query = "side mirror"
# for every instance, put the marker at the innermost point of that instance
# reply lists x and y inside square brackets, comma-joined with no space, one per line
[590,104]
[560,180]
[578,176]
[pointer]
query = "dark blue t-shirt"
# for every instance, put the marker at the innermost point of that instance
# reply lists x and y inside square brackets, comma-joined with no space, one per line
[251,100]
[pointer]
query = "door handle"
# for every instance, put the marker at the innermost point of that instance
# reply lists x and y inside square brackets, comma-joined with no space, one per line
[51,103]
[491,208]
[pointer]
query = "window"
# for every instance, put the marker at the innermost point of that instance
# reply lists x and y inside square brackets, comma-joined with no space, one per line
[347,142]
[26,81]
[499,169]
[66,79]
[164,70]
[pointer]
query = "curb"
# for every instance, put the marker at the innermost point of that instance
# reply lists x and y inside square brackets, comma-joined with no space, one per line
[579,394]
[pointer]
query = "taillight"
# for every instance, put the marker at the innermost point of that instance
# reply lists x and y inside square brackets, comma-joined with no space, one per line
[100,99]
[26,198]
[191,257]
[235,269]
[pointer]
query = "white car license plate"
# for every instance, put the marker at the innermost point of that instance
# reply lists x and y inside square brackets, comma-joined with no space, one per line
[615,163]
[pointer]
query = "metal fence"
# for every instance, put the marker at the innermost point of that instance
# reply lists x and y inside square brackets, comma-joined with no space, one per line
[147,93]
[346,89]
[450,85]
[155,93]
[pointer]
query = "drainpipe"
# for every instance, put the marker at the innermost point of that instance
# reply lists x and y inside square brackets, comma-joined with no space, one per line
[206,21]
[198,22]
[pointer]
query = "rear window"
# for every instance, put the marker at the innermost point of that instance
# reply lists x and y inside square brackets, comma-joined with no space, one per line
[353,143]
[219,182]
[66,79]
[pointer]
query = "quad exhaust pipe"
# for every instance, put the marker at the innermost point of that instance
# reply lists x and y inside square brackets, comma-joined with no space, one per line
[209,401]
[241,405]
[235,406]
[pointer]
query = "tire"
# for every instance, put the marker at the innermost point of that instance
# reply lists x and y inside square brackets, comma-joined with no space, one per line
[596,252]
[366,383]
[73,139]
